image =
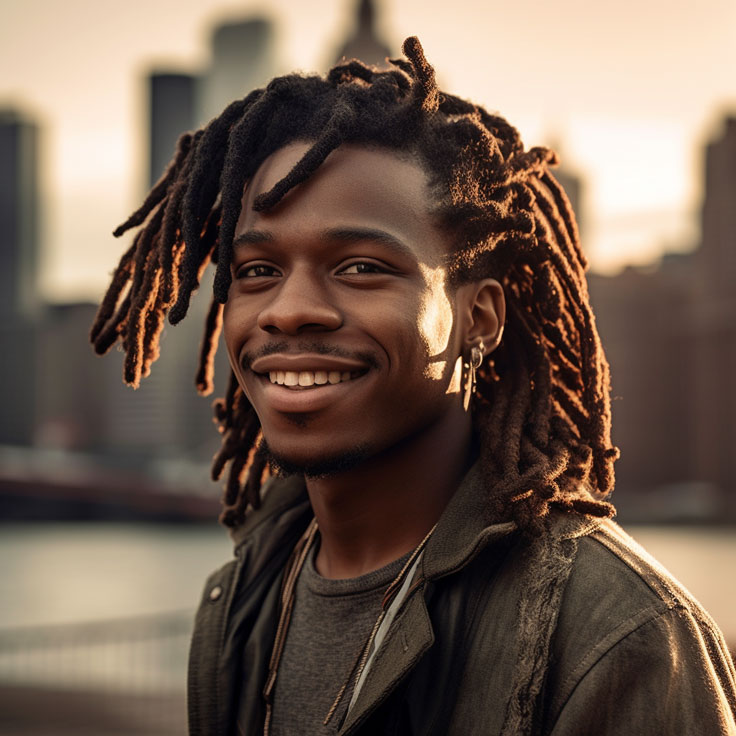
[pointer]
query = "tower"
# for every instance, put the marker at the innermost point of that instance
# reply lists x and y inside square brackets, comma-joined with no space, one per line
[243,58]
[364,44]
[19,255]
[19,211]
[172,105]
[714,317]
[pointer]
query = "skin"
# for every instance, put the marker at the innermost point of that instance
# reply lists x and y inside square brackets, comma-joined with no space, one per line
[346,276]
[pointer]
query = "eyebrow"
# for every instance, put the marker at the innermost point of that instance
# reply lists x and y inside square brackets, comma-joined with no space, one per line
[336,235]
[252,237]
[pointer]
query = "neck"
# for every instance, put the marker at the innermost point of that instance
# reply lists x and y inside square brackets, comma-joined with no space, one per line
[382,509]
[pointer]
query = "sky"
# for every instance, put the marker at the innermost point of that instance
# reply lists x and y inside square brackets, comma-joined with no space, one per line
[627,92]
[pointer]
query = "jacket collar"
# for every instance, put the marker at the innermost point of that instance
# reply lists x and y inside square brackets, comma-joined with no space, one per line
[463,529]
[279,495]
[466,526]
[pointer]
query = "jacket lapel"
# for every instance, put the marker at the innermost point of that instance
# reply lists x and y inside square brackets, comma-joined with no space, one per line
[461,533]
[407,639]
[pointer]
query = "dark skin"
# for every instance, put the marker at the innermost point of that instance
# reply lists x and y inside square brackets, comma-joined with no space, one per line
[349,343]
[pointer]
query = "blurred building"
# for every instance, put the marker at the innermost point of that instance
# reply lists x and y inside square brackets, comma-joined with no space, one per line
[364,42]
[243,58]
[640,316]
[19,210]
[670,335]
[70,386]
[84,406]
[20,306]
[172,104]
[714,318]
[165,417]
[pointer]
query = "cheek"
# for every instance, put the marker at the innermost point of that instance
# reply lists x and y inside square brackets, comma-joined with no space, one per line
[436,321]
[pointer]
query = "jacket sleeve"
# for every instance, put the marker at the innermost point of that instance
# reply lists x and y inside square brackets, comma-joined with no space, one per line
[670,674]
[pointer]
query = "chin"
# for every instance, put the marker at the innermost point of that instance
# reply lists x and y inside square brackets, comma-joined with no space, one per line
[314,465]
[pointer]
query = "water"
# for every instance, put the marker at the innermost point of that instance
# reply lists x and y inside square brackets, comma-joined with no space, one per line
[102,607]
[62,573]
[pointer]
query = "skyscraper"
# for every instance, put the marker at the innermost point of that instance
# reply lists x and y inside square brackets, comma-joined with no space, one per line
[19,229]
[364,43]
[243,58]
[19,256]
[173,109]
[714,317]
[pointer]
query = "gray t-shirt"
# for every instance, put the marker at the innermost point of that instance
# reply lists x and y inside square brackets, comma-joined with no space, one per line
[330,624]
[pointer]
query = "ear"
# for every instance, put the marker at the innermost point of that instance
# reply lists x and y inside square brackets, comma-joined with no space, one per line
[482,308]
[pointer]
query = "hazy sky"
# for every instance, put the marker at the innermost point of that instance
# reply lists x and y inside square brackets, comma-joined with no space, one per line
[627,91]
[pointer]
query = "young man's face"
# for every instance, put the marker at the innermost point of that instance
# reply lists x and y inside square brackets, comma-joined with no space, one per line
[339,323]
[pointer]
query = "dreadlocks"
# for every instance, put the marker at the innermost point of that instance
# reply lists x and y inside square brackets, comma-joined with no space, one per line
[542,408]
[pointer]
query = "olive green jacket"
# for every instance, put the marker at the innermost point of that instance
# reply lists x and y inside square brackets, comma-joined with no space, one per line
[613,645]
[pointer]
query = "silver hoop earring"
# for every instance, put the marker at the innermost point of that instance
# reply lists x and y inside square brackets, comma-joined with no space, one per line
[476,358]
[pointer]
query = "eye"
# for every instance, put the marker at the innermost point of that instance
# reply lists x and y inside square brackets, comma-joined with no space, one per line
[255,270]
[361,267]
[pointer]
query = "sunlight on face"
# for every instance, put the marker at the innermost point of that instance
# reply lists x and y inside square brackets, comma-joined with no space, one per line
[436,319]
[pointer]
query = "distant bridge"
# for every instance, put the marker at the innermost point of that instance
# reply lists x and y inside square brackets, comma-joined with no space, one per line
[38,486]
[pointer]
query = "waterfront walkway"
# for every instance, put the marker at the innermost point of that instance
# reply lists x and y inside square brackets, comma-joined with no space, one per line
[33,711]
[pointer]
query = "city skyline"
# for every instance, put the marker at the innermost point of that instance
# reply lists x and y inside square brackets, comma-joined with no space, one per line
[629,104]
[652,321]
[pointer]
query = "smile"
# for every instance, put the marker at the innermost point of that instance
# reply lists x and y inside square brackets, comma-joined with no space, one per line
[307,379]
[306,391]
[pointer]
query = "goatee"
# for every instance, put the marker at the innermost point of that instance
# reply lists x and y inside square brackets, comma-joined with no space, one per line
[319,467]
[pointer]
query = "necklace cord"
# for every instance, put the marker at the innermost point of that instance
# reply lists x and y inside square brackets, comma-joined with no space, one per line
[354,675]
[291,575]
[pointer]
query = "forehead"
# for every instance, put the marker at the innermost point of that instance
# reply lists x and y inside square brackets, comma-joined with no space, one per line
[355,188]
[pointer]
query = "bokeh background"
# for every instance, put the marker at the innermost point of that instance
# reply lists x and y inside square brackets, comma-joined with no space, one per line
[106,510]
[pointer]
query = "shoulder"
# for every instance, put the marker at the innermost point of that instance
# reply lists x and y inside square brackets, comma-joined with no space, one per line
[261,542]
[615,583]
[625,620]
[614,573]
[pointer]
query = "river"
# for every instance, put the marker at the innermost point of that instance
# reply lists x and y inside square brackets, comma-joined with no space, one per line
[63,573]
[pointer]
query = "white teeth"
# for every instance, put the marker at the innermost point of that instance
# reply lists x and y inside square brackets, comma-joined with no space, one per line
[306,378]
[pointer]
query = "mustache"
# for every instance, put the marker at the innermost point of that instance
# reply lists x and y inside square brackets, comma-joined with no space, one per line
[312,346]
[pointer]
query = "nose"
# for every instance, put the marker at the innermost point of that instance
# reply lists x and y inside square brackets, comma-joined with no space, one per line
[300,304]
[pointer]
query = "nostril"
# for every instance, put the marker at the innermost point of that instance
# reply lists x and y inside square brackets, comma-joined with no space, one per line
[293,322]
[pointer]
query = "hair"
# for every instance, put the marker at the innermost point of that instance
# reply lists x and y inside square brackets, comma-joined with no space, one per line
[542,401]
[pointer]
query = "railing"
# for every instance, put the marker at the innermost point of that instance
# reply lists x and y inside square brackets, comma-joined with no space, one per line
[116,676]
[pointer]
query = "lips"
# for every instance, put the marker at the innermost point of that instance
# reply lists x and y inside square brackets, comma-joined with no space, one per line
[303,382]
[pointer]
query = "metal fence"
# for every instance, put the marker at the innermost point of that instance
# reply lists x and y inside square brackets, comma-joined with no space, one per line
[103,677]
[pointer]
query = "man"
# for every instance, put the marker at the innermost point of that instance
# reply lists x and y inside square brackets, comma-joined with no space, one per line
[415,360]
